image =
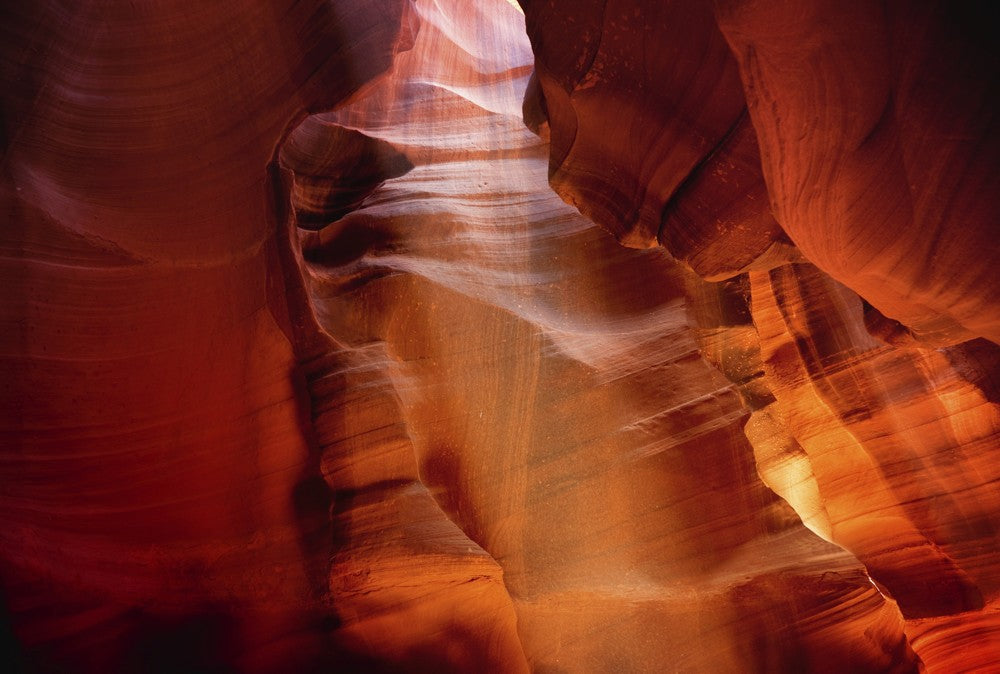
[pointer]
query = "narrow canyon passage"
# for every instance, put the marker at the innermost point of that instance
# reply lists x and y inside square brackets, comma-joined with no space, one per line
[544,389]
[342,365]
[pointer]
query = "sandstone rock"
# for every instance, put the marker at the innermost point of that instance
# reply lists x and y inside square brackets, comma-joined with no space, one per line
[308,368]
[872,129]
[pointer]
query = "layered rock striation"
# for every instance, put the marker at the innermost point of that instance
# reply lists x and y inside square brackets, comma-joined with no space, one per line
[310,369]
[861,330]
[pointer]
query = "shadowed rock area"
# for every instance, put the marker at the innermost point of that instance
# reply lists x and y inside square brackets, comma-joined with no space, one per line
[324,354]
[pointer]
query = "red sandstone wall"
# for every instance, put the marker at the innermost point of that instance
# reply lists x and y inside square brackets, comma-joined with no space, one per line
[307,368]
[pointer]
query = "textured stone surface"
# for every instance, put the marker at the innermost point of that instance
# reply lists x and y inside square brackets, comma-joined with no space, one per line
[309,369]
[878,141]
[549,387]
[154,434]
[872,141]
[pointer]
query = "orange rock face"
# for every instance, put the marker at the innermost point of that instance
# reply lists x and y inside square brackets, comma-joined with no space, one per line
[871,138]
[308,368]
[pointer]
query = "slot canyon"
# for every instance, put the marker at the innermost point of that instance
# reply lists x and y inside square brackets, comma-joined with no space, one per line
[556,336]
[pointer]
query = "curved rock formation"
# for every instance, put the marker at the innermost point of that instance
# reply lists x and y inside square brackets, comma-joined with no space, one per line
[874,131]
[874,128]
[155,500]
[310,370]
[878,142]
[536,412]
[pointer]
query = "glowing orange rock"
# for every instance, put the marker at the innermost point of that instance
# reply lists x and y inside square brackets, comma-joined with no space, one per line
[309,368]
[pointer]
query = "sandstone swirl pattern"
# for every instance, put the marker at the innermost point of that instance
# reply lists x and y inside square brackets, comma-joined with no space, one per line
[875,402]
[309,369]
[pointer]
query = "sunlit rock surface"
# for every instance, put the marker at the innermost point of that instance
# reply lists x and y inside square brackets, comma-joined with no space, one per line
[876,151]
[311,370]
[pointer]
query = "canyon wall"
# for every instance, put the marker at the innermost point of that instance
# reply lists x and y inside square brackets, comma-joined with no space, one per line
[323,351]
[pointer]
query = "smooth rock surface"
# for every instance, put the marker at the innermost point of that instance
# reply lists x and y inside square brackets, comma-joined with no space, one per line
[872,130]
[308,368]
